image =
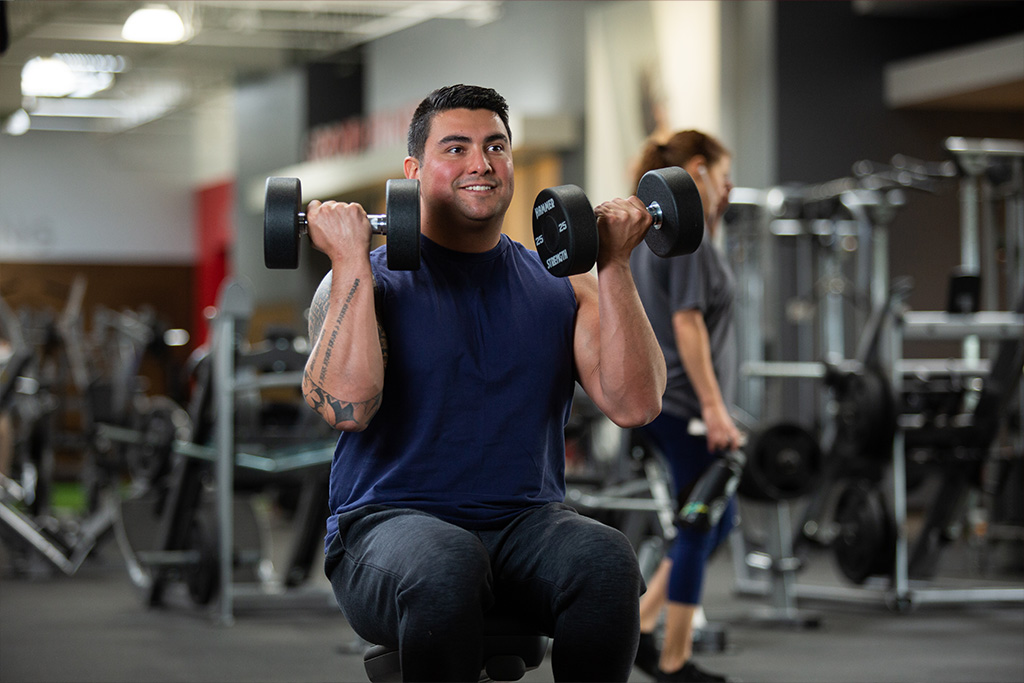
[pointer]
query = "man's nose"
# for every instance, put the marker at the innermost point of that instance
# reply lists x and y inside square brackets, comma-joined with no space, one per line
[478,161]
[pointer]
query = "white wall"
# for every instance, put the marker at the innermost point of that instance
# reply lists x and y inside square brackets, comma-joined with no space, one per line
[620,53]
[268,132]
[658,67]
[652,68]
[76,198]
[214,145]
[533,55]
[686,35]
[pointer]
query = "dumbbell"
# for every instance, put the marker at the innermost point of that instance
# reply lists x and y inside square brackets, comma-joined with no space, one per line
[565,227]
[284,223]
[709,497]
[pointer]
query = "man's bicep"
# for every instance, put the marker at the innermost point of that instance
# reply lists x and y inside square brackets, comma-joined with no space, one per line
[586,332]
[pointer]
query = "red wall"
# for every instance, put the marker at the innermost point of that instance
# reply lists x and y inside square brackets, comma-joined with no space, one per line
[214,236]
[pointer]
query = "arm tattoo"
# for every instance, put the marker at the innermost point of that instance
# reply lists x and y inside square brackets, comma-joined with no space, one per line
[383,343]
[337,327]
[336,411]
[318,313]
[332,409]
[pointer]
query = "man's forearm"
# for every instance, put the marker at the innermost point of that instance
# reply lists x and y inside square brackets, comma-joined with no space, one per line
[344,375]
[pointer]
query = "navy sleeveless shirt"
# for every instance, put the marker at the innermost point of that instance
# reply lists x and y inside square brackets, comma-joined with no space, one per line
[477,390]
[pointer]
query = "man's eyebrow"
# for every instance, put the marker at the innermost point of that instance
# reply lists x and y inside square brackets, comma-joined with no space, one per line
[448,139]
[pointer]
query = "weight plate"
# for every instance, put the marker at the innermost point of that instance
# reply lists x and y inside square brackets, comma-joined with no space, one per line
[565,230]
[159,421]
[682,224]
[403,212]
[783,461]
[866,418]
[281,223]
[866,543]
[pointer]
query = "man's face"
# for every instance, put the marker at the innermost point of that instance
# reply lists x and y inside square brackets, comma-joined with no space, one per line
[466,170]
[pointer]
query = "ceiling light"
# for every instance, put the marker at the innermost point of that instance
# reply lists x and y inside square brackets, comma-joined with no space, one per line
[17,123]
[154,24]
[89,83]
[47,77]
[70,75]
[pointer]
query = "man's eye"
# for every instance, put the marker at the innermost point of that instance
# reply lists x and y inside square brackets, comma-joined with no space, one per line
[454,149]
[497,148]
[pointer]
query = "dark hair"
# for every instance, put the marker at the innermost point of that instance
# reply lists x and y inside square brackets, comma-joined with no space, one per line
[678,150]
[452,97]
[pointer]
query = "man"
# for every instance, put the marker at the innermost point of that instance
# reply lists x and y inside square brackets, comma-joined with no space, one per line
[453,384]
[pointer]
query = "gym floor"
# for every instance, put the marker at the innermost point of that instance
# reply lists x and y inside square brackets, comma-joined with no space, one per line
[94,627]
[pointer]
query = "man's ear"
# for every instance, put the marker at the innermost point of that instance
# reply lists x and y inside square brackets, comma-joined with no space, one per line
[412,167]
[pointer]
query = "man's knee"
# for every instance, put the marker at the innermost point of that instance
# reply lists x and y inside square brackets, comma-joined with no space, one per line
[397,570]
[619,567]
[449,582]
[606,568]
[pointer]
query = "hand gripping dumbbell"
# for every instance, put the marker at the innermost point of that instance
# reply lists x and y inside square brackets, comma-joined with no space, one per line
[284,223]
[565,227]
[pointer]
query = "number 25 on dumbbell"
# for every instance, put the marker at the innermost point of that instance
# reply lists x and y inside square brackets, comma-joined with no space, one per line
[565,227]
[284,223]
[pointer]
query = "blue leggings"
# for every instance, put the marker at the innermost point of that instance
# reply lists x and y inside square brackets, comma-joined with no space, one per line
[688,457]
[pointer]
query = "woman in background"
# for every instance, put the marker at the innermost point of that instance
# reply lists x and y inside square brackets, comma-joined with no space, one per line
[689,301]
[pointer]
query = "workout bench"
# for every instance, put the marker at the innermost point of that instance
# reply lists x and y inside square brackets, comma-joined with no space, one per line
[511,648]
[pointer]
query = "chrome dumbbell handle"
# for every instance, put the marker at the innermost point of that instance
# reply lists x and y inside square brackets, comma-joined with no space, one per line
[378,223]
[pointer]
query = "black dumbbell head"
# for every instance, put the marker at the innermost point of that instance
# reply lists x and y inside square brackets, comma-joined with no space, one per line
[403,216]
[682,225]
[281,223]
[565,230]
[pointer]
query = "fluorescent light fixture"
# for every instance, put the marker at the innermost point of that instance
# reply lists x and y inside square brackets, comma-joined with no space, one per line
[47,77]
[79,109]
[93,73]
[154,24]
[70,75]
[89,83]
[17,123]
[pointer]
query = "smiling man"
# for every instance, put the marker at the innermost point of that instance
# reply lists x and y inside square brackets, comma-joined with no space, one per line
[452,385]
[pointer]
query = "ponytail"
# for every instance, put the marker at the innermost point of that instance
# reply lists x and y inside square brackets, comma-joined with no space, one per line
[678,150]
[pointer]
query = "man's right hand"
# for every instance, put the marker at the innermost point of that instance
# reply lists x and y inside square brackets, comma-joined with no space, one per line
[339,229]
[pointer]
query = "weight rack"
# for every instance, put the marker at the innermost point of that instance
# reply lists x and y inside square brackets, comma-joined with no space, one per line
[990,170]
[234,308]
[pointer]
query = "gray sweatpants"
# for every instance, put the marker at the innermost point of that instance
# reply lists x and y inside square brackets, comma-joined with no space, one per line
[407,579]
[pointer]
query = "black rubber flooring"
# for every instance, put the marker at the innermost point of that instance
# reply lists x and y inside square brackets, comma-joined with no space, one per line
[94,626]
